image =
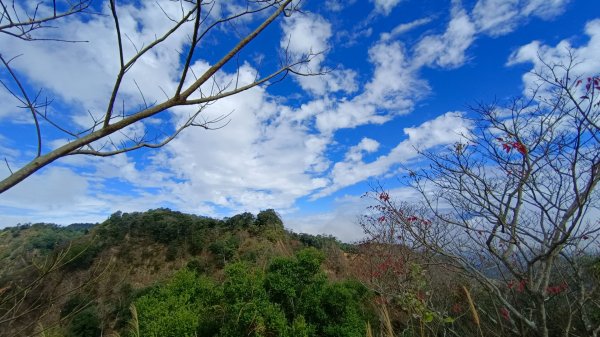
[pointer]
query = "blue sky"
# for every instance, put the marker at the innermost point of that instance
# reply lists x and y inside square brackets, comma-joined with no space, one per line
[402,75]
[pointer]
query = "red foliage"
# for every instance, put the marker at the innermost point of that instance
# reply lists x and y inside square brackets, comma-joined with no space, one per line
[557,289]
[593,83]
[505,313]
[520,147]
[388,266]
[518,286]
[521,286]
[508,146]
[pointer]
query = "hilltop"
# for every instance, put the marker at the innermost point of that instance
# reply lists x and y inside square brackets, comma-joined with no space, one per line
[83,278]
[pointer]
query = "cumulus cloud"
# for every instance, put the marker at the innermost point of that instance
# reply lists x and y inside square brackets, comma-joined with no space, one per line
[309,33]
[445,129]
[393,90]
[85,87]
[54,188]
[499,17]
[85,189]
[262,159]
[306,33]
[447,50]
[273,152]
[536,54]
[366,145]
[385,7]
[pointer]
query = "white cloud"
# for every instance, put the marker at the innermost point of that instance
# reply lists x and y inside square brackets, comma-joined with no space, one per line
[343,218]
[53,188]
[545,9]
[86,86]
[262,159]
[270,154]
[404,28]
[305,33]
[499,17]
[392,91]
[334,5]
[385,6]
[9,109]
[342,221]
[445,129]
[80,189]
[366,145]
[496,17]
[308,33]
[395,84]
[448,49]
[537,54]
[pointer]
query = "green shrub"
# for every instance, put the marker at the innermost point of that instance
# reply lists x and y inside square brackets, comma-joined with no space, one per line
[85,324]
[291,298]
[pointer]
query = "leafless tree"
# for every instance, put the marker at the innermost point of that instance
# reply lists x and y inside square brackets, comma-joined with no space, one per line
[417,289]
[95,140]
[514,206]
[23,25]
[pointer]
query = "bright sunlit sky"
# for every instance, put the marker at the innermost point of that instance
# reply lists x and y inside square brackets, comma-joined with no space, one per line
[402,75]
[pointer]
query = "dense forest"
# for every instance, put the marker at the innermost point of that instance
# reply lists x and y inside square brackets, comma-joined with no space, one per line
[165,273]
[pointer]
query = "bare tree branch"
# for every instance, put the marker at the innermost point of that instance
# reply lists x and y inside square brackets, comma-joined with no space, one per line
[95,139]
[11,24]
[28,103]
[516,195]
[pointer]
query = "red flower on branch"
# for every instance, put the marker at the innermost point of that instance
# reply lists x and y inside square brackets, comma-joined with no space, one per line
[521,286]
[520,147]
[508,146]
[557,289]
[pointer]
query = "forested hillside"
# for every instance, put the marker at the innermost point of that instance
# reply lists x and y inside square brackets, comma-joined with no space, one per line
[165,273]
[179,275]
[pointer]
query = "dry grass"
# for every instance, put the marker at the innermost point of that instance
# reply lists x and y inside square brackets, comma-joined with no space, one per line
[369,330]
[474,313]
[134,324]
[387,322]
